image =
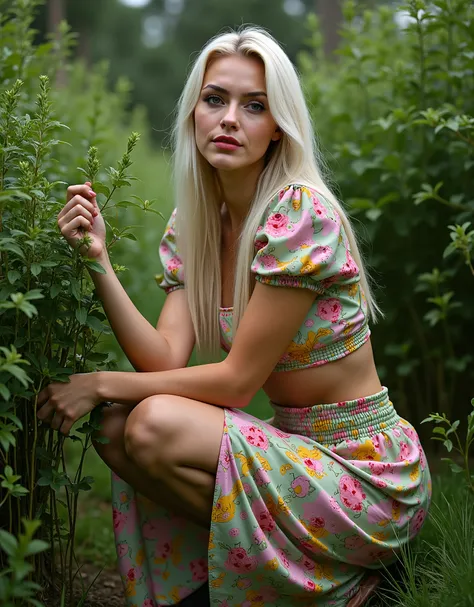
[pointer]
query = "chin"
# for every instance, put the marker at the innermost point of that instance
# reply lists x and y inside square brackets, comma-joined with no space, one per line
[225,163]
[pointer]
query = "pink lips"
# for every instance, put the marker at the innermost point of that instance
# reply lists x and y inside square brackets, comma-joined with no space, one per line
[226,143]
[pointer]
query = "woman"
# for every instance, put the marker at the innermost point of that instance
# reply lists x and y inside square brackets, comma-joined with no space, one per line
[259,258]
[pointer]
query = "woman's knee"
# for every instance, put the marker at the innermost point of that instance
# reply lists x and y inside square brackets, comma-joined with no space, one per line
[150,429]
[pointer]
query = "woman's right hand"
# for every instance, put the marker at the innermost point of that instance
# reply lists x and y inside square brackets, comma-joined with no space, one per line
[81,216]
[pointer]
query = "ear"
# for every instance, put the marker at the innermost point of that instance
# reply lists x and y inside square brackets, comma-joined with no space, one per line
[277,135]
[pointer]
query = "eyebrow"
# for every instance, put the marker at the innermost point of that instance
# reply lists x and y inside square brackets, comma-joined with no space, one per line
[226,92]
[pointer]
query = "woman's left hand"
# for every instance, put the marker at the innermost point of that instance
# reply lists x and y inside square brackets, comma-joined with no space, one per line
[61,404]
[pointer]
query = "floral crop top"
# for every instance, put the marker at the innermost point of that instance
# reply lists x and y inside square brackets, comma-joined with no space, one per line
[300,243]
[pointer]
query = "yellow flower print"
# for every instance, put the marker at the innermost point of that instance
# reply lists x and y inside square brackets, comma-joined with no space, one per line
[283,265]
[315,543]
[263,462]
[349,344]
[276,508]
[165,575]
[293,457]
[314,453]
[285,468]
[218,581]
[308,266]
[296,204]
[379,537]
[323,572]
[246,463]
[322,425]
[254,598]
[271,565]
[355,433]
[130,588]
[366,451]
[301,352]
[415,473]
[306,191]
[211,544]
[395,510]
[224,509]
[352,289]
[175,594]
[176,555]
[140,557]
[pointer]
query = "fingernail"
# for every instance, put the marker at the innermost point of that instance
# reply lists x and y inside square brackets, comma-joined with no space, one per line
[92,193]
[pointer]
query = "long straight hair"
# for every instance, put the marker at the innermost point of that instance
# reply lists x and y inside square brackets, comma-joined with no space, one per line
[295,159]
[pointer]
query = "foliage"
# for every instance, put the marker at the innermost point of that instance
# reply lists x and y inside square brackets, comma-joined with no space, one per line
[51,319]
[396,121]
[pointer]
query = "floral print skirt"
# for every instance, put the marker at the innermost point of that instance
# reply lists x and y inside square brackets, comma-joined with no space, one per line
[302,508]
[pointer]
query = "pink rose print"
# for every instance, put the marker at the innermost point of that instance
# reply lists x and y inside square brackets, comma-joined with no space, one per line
[283,559]
[247,488]
[308,564]
[354,542]
[152,530]
[321,254]
[148,603]
[301,486]
[199,569]
[309,323]
[329,309]
[261,477]
[234,532]
[245,582]
[404,452]
[122,549]
[244,516]
[378,468]
[255,436]
[173,263]
[258,536]
[410,432]
[277,224]
[309,585]
[263,516]
[131,575]
[314,464]
[349,269]
[352,494]
[381,513]
[259,244]
[416,523]
[319,208]
[119,519]
[239,561]
[269,262]
[162,550]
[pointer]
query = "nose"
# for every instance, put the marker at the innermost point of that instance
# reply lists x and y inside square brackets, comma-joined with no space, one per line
[230,119]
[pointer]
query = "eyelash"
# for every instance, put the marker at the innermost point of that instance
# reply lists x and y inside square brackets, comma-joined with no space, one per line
[261,107]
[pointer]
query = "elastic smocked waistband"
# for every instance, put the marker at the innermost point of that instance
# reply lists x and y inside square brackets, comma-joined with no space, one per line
[347,420]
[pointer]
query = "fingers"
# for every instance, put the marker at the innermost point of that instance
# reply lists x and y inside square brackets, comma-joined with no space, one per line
[79,201]
[82,207]
[81,190]
[54,418]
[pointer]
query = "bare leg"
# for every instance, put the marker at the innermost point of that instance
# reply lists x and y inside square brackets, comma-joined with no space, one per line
[116,458]
[177,441]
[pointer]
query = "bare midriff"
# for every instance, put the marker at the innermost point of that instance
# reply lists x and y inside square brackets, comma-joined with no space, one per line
[348,378]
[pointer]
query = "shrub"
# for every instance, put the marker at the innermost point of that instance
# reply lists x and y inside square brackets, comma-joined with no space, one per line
[53,117]
[395,119]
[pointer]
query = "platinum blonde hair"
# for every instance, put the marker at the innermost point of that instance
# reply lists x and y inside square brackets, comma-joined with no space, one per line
[295,159]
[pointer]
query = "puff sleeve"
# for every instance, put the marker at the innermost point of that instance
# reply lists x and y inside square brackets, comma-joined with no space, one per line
[302,243]
[173,273]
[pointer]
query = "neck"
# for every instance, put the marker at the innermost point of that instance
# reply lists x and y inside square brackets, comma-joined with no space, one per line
[237,190]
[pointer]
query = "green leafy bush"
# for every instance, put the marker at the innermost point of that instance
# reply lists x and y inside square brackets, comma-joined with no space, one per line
[54,117]
[395,120]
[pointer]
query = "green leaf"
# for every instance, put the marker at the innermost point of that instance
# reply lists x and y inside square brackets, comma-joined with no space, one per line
[36,546]
[35,269]
[448,444]
[13,276]
[81,315]
[8,542]
[439,430]
[55,290]
[95,265]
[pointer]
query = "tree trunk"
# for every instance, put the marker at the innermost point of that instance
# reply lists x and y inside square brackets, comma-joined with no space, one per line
[330,14]
[55,14]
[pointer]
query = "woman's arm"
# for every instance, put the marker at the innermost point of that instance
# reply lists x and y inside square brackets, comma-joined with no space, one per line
[169,346]
[271,320]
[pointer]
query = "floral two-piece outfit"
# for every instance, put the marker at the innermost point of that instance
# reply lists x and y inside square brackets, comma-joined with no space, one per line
[304,506]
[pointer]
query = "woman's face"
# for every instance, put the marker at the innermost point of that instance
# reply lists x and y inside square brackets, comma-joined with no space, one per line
[233,124]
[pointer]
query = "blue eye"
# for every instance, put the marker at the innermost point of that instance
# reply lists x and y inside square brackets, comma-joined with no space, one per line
[211,99]
[256,106]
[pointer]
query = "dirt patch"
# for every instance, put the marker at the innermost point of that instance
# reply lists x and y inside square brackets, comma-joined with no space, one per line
[107,591]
